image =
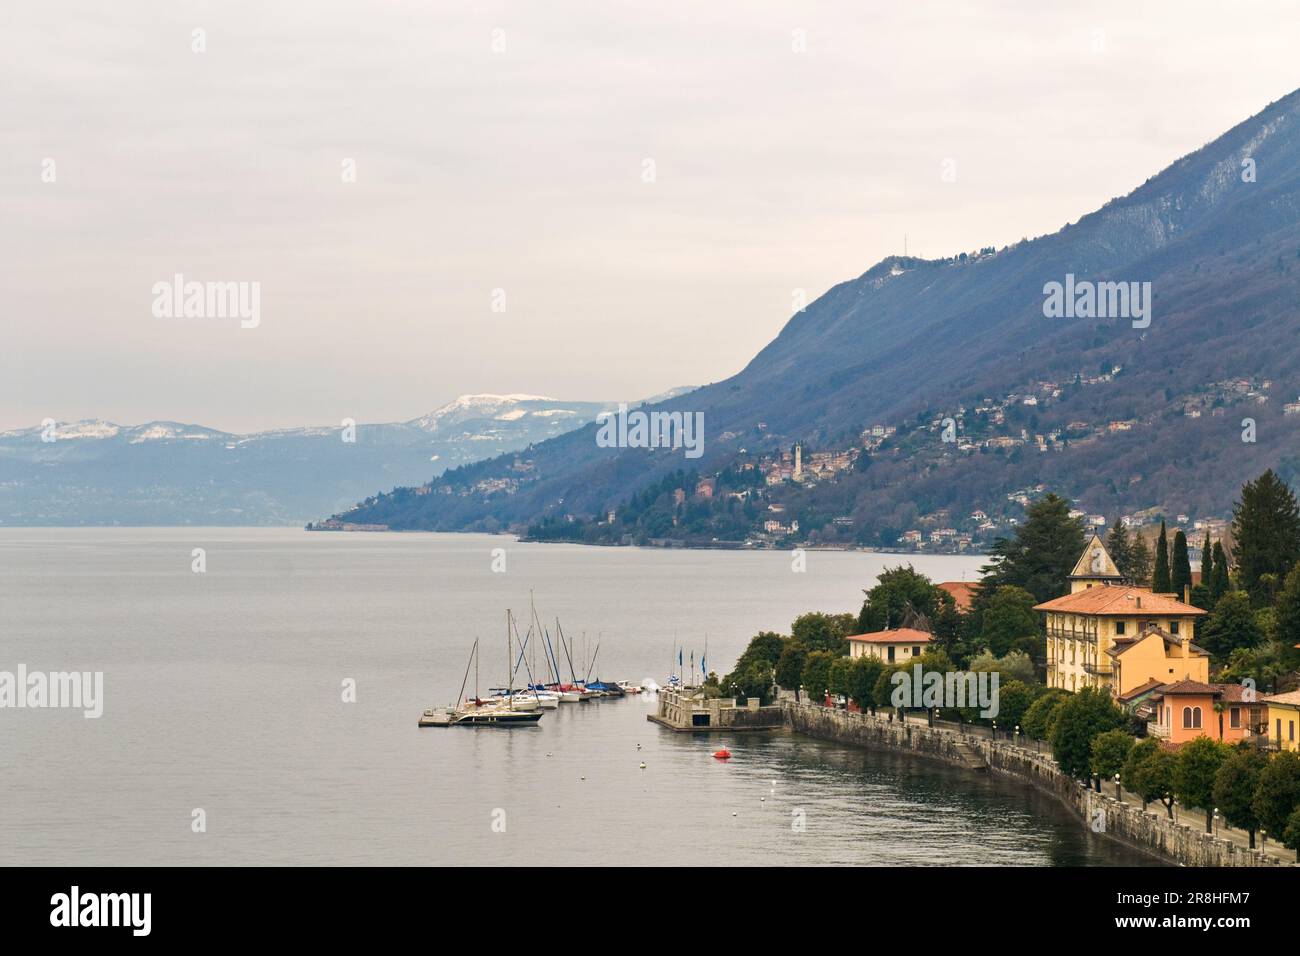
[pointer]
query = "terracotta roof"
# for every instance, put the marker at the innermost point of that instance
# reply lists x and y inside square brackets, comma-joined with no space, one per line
[963,592]
[1290,697]
[1141,689]
[1119,601]
[1235,693]
[901,635]
[1122,644]
[1192,687]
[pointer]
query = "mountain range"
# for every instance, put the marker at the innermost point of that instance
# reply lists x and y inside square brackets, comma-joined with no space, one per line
[95,472]
[1123,417]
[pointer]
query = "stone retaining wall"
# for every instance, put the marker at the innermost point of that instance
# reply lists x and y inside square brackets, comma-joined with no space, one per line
[1149,830]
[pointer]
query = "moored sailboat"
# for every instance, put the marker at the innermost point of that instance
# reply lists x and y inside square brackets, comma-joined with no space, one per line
[507,710]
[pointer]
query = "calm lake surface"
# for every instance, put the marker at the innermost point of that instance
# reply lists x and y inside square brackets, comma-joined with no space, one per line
[223,691]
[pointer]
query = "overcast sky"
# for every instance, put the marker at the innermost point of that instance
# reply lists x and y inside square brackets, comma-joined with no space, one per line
[793,146]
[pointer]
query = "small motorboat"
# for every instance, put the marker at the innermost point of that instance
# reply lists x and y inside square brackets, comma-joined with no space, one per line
[723,754]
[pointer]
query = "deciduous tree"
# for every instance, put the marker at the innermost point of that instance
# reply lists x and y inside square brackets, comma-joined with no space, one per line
[1235,783]
[1277,795]
[1199,761]
[1109,751]
[1083,716]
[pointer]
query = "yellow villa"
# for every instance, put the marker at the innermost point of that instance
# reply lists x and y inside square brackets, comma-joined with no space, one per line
[1106,633]
[892,646]
[1284,720]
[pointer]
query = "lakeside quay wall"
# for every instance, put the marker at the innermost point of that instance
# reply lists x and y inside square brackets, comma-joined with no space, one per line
[1151,830]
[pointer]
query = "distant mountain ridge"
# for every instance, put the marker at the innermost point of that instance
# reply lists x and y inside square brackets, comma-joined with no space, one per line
[96,472]
[912,341]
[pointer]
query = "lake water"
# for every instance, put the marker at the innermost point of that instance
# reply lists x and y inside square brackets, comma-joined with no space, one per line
[223,692]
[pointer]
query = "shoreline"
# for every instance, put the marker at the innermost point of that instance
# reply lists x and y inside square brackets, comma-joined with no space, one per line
[1148,831]
[674,545]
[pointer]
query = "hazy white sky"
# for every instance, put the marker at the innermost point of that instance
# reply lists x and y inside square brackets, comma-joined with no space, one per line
[522,169]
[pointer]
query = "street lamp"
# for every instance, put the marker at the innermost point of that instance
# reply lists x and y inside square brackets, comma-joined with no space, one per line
[1117,794]
[1017,741]
[995,729]
[1216,821]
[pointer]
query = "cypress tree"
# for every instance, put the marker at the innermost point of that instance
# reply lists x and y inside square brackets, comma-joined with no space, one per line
[1207,560]
[1220,585]
[1160,580]
[1181,572]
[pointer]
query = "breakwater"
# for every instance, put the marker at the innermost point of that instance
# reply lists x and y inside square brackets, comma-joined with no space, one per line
[1150,830]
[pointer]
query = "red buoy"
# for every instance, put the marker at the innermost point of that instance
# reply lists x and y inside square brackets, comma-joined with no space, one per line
[723,754]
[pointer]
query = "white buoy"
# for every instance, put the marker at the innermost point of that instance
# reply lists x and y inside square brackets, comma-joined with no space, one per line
[642,764]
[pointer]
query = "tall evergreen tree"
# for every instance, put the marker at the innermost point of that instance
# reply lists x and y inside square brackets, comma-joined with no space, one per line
[1180,574]
[1266,528]
[1120,548]
[1140,562]
[1160,579]
[1207,560]
[1220,585]
[1039,558]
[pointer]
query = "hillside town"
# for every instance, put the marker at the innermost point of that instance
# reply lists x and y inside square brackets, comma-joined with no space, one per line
[773,498]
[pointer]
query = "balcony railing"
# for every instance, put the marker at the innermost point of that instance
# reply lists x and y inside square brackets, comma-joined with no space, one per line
[1102,670]
[1157,730]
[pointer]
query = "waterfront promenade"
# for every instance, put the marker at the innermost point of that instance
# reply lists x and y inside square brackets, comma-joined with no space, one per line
[1182,840]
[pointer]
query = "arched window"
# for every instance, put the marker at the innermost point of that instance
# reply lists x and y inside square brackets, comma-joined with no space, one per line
[1192,718]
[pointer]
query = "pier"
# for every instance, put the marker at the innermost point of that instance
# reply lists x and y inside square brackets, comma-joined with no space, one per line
[688,710]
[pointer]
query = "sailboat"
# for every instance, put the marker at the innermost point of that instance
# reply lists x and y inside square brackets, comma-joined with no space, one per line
[571,692]
[505,712]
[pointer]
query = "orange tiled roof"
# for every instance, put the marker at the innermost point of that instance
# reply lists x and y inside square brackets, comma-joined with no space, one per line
[1122,644]
[1142,689]
[1235,694]
[963,592]
[1290,697]
[1120,601]
[1192,687]
[901,635]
